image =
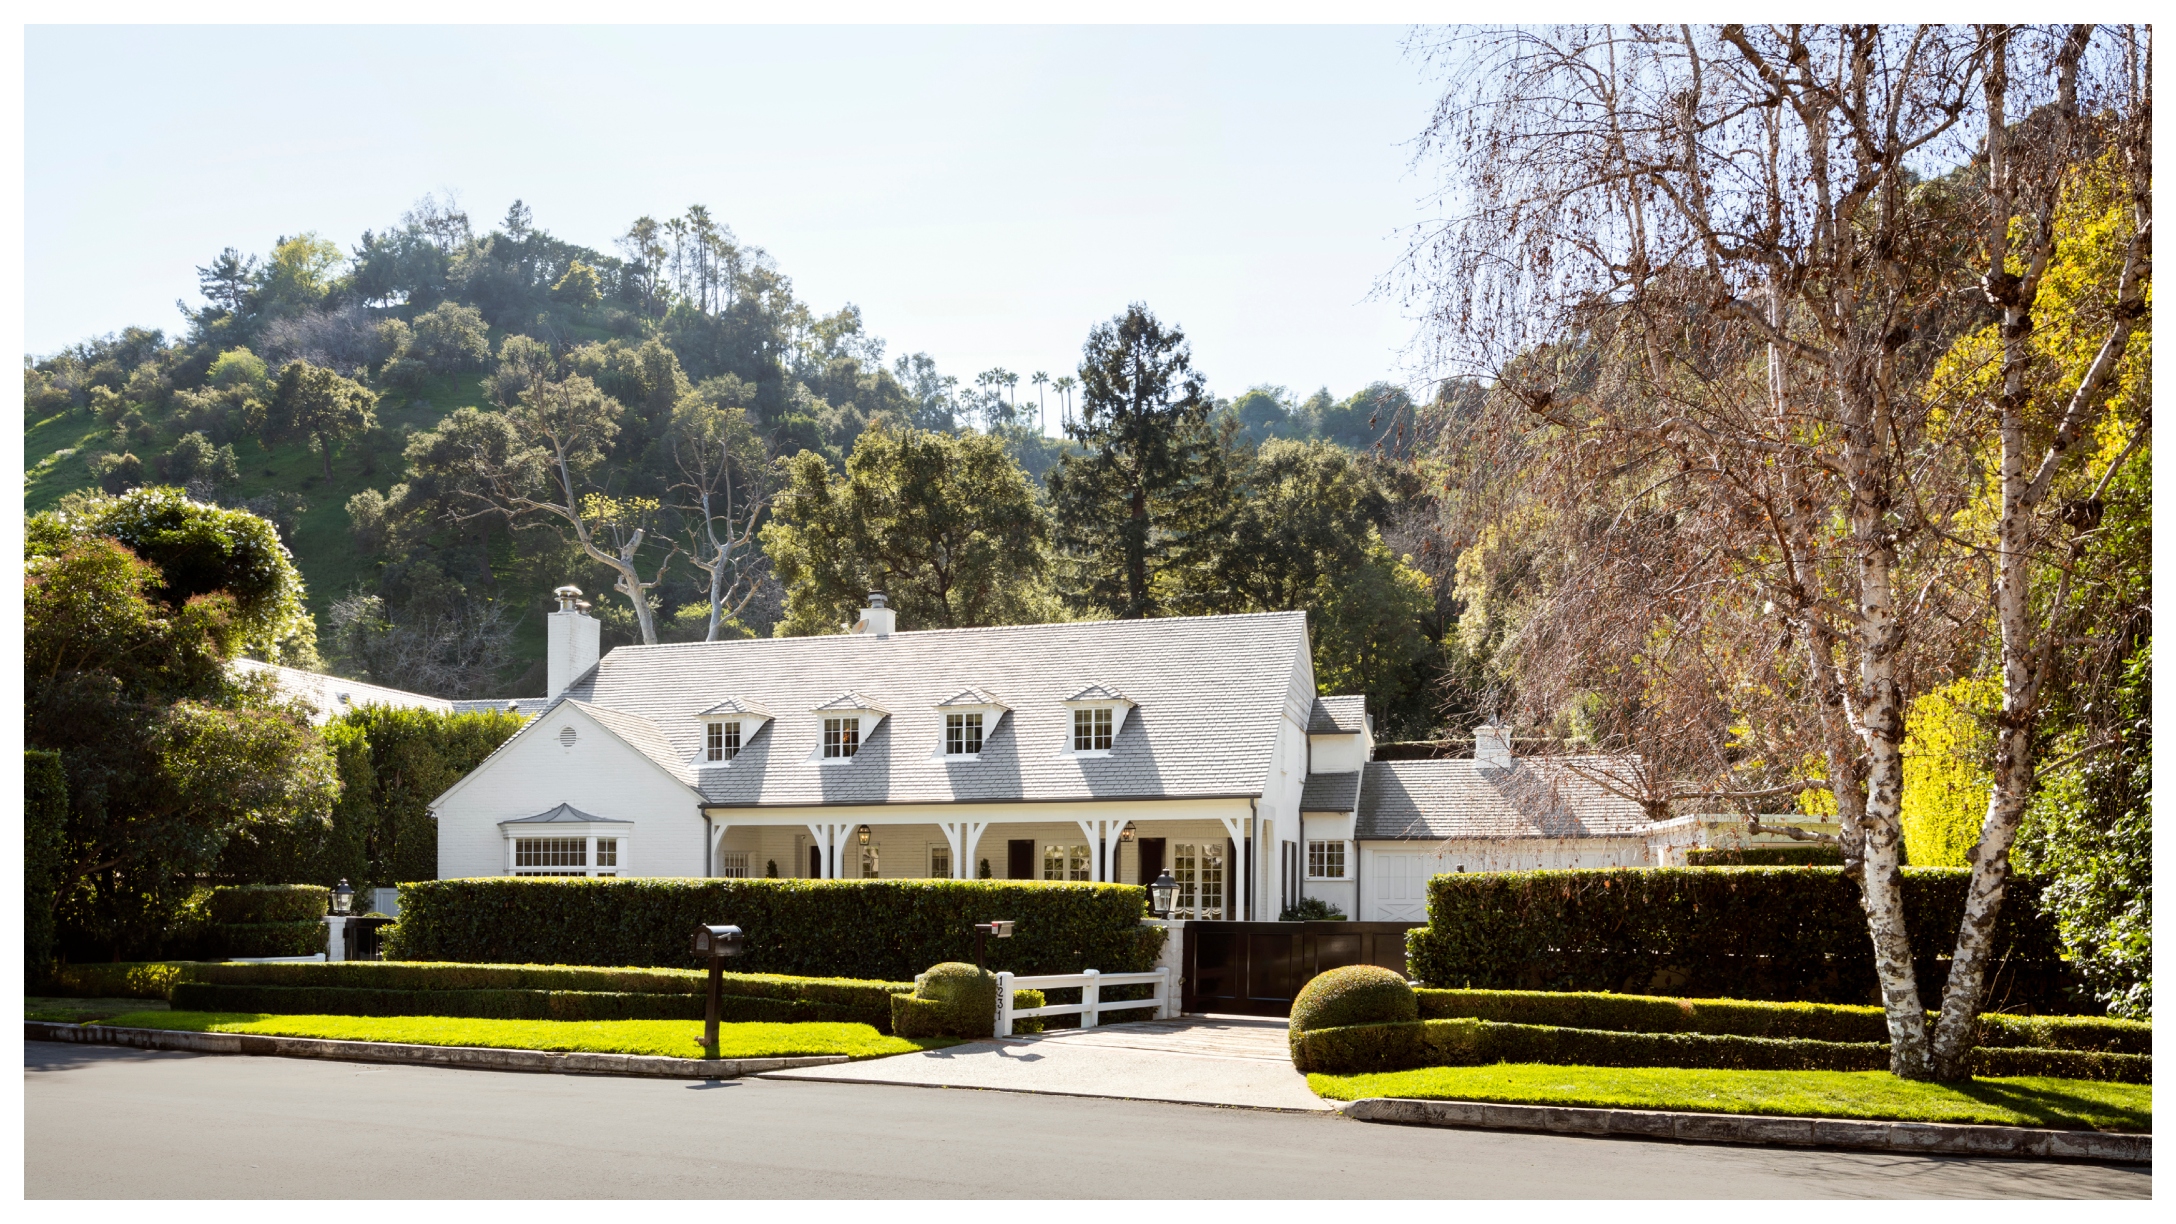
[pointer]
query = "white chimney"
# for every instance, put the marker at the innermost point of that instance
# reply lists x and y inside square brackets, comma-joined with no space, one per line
[876,619]
[571,641]
[1492,745]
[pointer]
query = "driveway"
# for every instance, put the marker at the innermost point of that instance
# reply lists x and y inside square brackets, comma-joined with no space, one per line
[1200,1060]
[113,1123]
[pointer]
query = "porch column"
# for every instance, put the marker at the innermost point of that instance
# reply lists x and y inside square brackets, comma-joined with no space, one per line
[1242,892]
[717,840]
[962,836]
[1103,835]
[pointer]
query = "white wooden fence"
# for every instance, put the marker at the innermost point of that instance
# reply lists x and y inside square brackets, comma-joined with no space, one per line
[1092,1003]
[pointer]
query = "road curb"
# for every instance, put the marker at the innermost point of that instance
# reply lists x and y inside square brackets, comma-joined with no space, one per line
[1923,1138]
[481,1058]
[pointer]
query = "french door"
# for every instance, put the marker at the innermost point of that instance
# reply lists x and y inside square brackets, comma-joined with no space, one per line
[1200,869]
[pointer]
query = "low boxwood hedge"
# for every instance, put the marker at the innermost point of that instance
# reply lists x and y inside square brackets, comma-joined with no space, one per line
[118,979]
[1469,1042]
[882,929]
[1753,1018]
[1790,934]
[513,1004]
[258,903]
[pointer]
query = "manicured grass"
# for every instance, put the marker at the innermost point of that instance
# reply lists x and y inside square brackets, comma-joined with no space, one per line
[673,1038]
[2023,1101]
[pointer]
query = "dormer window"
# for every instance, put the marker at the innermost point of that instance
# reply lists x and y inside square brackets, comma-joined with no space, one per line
[1092,730]
[1099,714]
[721,741]
[842,738]
[963,734]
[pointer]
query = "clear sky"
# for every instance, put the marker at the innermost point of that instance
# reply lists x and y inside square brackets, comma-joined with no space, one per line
[985,194]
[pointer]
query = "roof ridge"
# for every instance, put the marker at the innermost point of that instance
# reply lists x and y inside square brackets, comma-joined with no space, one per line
[812,637]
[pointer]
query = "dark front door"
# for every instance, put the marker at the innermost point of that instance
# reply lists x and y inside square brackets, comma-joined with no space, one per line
[1257,968]
[1020,860]
[1152,862]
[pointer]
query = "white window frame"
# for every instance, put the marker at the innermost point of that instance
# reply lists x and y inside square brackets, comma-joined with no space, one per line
[722,741]
[940,861]
[619,835]
[975,720]
[1118,708]
[1075,861]
[1344,849]
[848,723]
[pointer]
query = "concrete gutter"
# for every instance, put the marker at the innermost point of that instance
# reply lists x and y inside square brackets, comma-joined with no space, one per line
[1921,1138]
[479,1058]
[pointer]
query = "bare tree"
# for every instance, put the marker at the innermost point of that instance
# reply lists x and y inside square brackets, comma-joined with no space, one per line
[724,469]
[1716,266]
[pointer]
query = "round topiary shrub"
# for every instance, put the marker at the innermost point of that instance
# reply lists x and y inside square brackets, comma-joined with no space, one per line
[1355,994]
[952,1000]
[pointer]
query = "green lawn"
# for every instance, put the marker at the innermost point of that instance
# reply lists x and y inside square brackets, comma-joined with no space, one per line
[673,1038]
[2022,1101]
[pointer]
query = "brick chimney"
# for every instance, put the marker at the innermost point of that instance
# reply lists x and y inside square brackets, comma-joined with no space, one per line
[571,641]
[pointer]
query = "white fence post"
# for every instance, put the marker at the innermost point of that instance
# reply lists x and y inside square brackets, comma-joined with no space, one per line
[1004,1004]
[1091,996]
[1167,1007]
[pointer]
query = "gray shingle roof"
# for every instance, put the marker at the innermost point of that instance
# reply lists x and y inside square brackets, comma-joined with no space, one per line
[1441,799]
[1208,693]
[645,737]
[565,814]
[1330,792]
[1338,716]
[527,707]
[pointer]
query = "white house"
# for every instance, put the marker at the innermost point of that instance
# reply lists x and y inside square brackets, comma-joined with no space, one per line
[332,696]
[1093,750]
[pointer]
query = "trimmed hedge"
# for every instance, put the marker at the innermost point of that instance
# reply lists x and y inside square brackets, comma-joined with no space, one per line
[254,904]
[954,999]
[1352,994]
[1768,856]
[267,938]
[884,929]
[118,979]
[1748,1018]
[511,1004]
[1469,1043]
[1782,933]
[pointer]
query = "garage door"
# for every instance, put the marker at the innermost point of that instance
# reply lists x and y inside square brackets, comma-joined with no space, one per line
[1401,887]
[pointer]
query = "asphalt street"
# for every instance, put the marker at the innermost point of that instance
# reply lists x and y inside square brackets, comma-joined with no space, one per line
[103,1122]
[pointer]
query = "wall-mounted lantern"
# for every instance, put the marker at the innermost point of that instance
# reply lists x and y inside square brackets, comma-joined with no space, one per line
[864,835]
[1126,834]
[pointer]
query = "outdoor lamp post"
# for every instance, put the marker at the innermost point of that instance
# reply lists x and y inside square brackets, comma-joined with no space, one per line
[716,943]
[1002,929]
[1162,893]
[342,897]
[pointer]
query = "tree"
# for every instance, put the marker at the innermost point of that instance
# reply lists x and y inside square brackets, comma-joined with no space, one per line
[315,403]
[167,758]
[298,277]
[947,526]
[726,474]
[1712,264]
[451,338]
[1144,424]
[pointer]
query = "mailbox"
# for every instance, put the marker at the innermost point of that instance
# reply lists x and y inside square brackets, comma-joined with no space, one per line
[717,940]
[1001,929]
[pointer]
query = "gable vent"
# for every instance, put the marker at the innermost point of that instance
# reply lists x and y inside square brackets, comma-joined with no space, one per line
[566,737]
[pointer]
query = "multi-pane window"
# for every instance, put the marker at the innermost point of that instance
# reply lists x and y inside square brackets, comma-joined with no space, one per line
[1199,870]
[962,734]
[721,741]
[551,856]
[1326,860]
[940,862]
[1092,730]
[842,737]
[608,856]
[1066,863]
[733,864]
[869,870]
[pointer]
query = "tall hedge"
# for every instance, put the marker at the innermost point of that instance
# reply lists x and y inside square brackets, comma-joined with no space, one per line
[883,929]
[1783,933]
[45,817]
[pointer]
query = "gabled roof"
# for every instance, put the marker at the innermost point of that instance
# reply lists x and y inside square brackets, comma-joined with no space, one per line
[565,813]
[972,697]
[1439,800]
[1330,792]
[1208,692]
[1099,692]
[734,705]
[1338,716]
[849,702]
[643,736]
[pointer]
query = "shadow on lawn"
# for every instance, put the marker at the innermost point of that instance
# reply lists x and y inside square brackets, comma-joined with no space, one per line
[2061,1110]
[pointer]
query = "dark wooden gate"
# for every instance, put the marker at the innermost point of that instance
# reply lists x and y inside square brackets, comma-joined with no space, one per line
[1255,968]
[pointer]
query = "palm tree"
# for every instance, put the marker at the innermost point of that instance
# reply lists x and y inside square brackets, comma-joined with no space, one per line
[1065,385]
[1042,412]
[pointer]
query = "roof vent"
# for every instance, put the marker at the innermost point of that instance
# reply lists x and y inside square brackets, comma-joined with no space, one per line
[566,737]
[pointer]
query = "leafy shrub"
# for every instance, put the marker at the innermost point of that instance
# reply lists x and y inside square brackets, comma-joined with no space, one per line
[271,903]
[1748,1018]
[1744,932]
[950,1000]
[1354,994]
[886,929]
[1816,855]
[45,817]
[119,979]
[267,938]
[1469,1042]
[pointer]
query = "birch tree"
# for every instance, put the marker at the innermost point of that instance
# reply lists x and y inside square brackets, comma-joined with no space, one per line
[726,475]
[1762,234]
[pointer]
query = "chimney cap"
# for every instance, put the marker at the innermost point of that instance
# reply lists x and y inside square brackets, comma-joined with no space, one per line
[876,599]
[569,597]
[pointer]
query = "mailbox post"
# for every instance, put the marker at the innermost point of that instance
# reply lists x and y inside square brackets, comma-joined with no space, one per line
[1002,929]
[716,943]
